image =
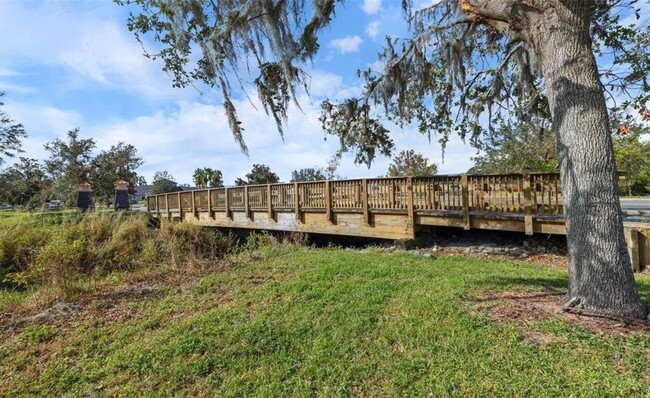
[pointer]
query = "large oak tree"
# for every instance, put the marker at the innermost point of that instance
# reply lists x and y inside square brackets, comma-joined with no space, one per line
[411,164]
[117,163]
[69,165]
[467,61]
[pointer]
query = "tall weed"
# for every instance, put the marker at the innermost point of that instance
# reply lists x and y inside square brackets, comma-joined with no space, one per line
[193,245]
[58,255]
[19,246]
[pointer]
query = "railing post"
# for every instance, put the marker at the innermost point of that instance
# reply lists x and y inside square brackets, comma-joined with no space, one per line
[528,205]
[410,208]
[328,200]
[227,202]
[246,208]
[180,205]
[194,213]
[169,213]
[210,212]
[269,201]
[364,200]
[464,186]
[296,200]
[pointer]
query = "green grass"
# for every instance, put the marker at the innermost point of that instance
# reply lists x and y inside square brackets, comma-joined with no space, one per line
[44,217]
[293,321]
[37,217]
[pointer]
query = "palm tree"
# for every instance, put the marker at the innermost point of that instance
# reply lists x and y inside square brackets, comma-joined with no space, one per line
[214,178]
[200,178]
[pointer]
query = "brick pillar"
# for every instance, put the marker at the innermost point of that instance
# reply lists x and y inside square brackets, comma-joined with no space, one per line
[85,197]
[122,200]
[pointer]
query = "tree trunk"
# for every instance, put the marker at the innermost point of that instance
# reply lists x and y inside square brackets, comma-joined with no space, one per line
[600,271]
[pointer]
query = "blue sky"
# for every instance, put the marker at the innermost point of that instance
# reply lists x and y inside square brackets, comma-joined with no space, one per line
[67,64]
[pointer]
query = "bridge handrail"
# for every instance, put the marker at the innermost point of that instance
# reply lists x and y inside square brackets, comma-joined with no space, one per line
[529,194]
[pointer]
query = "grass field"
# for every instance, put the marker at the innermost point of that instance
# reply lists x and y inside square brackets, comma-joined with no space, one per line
[47,217]
[294,321]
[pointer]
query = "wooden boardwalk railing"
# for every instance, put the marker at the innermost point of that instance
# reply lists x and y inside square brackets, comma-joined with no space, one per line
[390,208]
[396,206]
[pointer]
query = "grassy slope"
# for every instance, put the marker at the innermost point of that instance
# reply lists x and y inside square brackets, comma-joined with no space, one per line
[326,322]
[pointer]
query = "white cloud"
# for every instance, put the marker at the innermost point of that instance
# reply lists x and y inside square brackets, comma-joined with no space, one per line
[323,84]
[44,121]
[197,135]
[371,6]
[377,66]
[42,124]
[346,45]
[372,29]
[426,4]
[15,88]
[7,72]
[89,42]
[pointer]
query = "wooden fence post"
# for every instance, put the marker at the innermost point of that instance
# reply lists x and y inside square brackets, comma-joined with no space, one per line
[169,213]
[464,186]
[528,205]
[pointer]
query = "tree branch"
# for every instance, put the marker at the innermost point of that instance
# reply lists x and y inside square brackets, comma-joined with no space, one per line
[495,13]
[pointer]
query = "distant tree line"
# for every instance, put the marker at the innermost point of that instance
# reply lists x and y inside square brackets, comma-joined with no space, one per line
[71,162]
[522,148]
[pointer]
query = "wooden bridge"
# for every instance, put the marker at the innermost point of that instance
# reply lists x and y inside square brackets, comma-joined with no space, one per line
[390,208]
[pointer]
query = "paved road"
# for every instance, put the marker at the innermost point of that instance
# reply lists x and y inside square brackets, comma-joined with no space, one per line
[635,204]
